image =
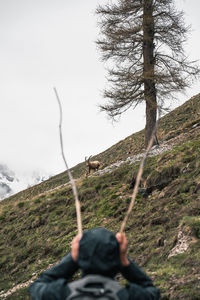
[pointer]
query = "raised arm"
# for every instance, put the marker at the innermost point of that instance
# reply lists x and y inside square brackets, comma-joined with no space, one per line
[52,284]
[140,284]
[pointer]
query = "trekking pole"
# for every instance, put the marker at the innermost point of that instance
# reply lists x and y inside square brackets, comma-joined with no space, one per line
[139,175]
[74,189]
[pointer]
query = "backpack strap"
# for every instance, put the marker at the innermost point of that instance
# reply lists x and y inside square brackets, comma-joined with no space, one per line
[88,285]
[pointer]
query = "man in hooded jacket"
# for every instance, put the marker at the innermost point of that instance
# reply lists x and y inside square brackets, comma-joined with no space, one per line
[97,251]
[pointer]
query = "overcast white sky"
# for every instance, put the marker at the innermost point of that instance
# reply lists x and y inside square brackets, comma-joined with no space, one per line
[47,43]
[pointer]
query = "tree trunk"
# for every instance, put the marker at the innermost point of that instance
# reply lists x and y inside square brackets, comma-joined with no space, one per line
[148,70]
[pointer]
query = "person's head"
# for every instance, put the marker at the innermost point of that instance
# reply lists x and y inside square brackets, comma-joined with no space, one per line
[99,252]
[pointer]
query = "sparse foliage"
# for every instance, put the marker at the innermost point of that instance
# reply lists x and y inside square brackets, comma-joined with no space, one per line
[145,40]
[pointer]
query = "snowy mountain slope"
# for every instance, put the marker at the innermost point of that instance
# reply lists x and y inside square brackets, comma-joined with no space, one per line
[12,182]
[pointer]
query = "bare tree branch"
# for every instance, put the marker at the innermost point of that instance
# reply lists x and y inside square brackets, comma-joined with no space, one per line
[74,189]
[139,175]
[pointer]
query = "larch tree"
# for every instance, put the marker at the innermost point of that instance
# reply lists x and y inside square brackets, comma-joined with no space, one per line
[143,43]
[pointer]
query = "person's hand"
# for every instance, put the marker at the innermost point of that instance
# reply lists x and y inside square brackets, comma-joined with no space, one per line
[75,247]
[123,244]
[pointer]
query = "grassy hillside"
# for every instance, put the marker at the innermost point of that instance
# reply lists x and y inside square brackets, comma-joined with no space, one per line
[37,225]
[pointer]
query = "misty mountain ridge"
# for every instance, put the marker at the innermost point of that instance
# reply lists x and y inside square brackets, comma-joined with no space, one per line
[12,182]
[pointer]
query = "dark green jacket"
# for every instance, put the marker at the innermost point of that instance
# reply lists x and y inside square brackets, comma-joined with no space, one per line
[52,284]
[98,254]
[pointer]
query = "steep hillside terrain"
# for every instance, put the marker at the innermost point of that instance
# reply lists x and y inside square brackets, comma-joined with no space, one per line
[38,224]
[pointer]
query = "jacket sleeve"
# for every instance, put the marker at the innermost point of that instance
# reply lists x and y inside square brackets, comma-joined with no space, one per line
[52,284]
[140,285]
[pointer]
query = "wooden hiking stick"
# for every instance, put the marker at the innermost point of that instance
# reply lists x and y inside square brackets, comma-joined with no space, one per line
[139,176]
[74,189]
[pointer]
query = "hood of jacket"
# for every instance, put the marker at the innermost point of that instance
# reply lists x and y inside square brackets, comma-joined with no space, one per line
[99,252]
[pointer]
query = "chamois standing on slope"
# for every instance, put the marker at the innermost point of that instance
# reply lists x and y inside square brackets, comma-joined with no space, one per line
[92,165]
